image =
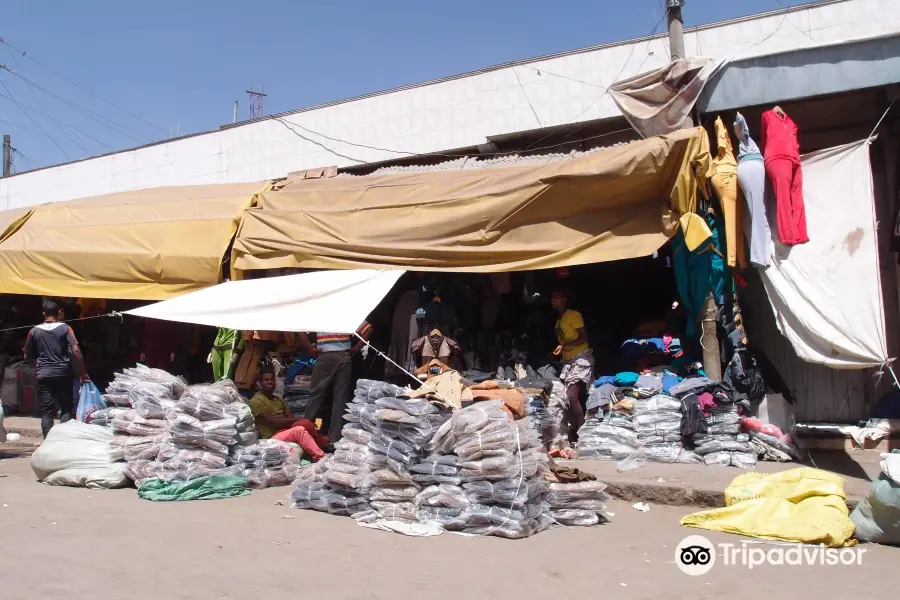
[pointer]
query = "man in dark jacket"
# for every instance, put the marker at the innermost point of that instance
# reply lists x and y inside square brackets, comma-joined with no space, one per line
[52,345]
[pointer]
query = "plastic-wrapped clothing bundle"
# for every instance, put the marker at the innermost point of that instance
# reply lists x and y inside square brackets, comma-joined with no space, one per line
[344,503]
[437,469]
[184,470]
[724,445]
[465,422]
[665,453]
[153,408]
[191,432]
[172,452]
[389,457]
[387,477]
[150,392]
[575,517]
[133,424]
[511,469]
[394,493]
[310,495]
[539,417]
[443,496]
[267,463]
[577,503]
[183,446]
[104,417]
[607,439]
[120,388]
[558,409]
[296,394]
[510,493]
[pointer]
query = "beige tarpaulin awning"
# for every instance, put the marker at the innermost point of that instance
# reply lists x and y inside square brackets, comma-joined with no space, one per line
[146,244]
[11,220]
[610,205]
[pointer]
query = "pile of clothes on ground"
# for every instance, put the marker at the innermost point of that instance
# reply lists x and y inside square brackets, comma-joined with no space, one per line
[662,417]
[712,420]
[404,463]
[177,433]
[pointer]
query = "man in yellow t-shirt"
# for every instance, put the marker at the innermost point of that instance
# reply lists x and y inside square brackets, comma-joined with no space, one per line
[274,419]
[578,368]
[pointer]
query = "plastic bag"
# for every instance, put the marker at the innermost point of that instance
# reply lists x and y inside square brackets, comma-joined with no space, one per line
[89,400]
[77,454]
[877,517]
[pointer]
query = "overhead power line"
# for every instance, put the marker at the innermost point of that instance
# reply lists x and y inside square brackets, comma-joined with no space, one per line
[72,127]
[289,124]
[105,121]
[41,127]
[81,87]
[38,100]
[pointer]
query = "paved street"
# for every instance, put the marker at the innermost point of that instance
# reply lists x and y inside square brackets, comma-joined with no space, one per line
[75,543]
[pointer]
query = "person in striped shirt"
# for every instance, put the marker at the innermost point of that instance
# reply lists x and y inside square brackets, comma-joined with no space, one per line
[332,374]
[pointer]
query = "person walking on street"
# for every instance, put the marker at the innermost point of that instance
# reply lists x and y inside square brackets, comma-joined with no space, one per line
[52,346]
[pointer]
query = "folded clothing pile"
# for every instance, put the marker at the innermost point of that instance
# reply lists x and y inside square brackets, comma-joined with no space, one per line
[118,392]
[539,417]
[296,393]
[267,463]
[657,426]
[611,437]
[400,430]
[724,444]
[195,436]
[105,416]
[501,467]
[340,485]
[558,410]
[581,503]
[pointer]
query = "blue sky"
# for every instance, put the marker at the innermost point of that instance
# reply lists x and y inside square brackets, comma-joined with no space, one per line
[180,65]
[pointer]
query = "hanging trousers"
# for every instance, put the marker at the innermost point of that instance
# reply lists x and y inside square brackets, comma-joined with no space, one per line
[752,177]
[725,184]
[787,180]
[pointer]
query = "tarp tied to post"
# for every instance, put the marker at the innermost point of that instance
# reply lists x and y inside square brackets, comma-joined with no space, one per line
[146,244]
[610,205]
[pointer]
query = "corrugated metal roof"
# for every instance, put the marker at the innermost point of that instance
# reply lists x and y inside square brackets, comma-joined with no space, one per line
[474,162]
[803,74]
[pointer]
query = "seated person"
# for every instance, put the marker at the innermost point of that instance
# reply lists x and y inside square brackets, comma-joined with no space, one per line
[274,419]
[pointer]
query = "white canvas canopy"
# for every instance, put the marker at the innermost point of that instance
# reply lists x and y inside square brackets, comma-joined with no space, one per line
[332,301]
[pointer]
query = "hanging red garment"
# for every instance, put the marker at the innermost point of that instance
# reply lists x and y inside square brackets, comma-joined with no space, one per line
[781,150]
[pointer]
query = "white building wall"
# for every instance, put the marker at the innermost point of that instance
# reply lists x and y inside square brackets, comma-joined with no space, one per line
[443,115]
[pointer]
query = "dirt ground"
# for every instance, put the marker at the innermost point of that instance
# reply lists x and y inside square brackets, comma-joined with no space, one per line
[75,543]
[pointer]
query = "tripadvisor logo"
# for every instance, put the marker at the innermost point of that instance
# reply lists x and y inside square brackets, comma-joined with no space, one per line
[696,555]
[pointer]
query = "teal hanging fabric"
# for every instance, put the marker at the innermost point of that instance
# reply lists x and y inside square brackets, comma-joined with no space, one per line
[693,271]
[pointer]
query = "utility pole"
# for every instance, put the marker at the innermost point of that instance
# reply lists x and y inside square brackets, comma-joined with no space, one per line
[7,156]
[709,340]
[676,28]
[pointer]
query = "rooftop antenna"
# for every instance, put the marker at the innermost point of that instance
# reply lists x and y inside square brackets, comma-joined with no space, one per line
[256,102]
